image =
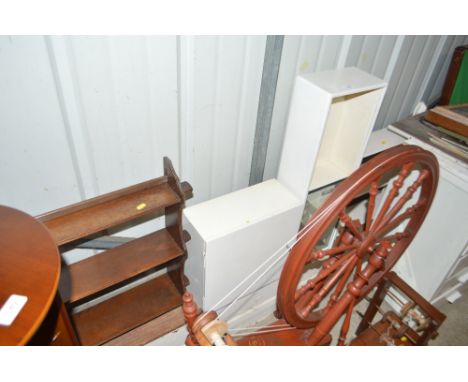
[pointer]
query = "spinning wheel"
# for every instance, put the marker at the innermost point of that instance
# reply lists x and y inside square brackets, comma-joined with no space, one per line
[366,247]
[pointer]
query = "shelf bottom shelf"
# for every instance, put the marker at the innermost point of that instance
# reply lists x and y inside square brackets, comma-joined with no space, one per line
[152,330]
[120,314]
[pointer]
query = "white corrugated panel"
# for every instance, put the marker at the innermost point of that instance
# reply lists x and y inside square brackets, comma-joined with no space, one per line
[220,85]
[37,171]
[80,116]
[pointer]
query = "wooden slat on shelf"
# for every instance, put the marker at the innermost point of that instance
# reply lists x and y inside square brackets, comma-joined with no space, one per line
[151,330]
[94,215]
[108,268]
[124,312]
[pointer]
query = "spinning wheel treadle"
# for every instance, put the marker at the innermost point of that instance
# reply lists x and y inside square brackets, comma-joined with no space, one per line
[365,248]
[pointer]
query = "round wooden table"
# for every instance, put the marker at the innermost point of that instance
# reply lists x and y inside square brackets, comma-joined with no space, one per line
[29,266]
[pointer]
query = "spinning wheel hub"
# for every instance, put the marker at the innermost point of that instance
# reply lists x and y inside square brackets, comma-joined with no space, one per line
[368,245]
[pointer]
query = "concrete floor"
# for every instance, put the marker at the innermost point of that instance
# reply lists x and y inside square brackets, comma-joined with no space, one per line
[454,330]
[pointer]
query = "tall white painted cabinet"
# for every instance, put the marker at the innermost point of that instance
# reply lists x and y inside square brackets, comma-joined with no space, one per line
[436,262]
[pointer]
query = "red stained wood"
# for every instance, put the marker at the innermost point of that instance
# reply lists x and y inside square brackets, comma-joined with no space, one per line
[400,158]
[29,266]
[293,337]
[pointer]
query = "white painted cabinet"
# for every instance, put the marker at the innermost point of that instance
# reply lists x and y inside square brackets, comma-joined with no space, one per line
[430,262]
[436,262]
[330,120]
[233,235]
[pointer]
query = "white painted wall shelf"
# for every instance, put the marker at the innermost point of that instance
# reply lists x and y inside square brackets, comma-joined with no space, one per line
[332,115]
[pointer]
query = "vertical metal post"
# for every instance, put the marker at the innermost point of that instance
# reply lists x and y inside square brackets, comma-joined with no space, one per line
[271,64]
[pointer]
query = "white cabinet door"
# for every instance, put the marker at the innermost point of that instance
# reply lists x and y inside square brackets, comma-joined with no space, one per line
[441,239]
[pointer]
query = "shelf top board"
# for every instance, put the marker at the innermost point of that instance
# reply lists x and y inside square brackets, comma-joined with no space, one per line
[109,210]
[344,81]
[216,217]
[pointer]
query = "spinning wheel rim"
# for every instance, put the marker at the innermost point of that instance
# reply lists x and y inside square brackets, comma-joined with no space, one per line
[343,195]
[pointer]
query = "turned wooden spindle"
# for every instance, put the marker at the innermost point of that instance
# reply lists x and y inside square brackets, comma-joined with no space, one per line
[350,224]
[353,292]
[318,255]
[406,196]
[373,191]
[191,312]
[397,184]
[327,286]
[328,267]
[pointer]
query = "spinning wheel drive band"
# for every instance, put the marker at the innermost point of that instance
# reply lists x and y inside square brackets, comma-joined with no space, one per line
[364,249]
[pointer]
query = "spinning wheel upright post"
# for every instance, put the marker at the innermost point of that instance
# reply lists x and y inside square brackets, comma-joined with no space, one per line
[364,250]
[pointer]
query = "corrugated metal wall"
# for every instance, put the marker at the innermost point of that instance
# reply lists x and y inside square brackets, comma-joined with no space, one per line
[414,66]
[81,116]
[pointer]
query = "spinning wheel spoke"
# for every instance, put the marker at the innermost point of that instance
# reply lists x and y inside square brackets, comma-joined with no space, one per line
[406,196]
[374,188]
[410,211]
[397,184]
[359,265]
[339,288]
[324,272]
[341,237]
[345,326]
[327,286]
[309,295]
[318,255]
[349,223]
[395,237]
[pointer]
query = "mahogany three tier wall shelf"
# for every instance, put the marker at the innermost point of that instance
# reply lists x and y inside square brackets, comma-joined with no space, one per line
[136,300]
